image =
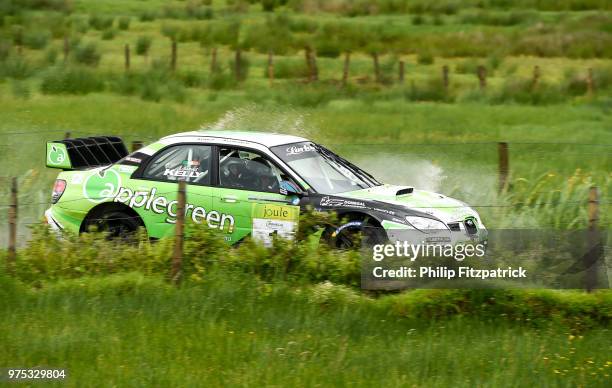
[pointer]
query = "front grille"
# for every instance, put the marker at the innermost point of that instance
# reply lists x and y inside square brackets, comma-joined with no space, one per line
[454,226]
[470,225]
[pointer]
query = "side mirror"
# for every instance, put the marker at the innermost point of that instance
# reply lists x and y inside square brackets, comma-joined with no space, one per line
[289,188]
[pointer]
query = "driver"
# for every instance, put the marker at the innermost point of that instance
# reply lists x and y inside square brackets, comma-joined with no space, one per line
[267,180]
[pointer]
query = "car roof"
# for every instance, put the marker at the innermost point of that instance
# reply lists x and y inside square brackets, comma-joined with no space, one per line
[267,139]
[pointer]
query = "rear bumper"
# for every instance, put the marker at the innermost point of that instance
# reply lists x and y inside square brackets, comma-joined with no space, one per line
[53,223]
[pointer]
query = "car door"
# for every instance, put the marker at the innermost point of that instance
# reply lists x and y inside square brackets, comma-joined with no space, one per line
[153,192]
[249,192]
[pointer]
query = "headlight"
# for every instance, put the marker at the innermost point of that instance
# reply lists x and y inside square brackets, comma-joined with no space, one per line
[425,224]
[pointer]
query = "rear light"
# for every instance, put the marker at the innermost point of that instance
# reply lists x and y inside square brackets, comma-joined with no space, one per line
[58,190]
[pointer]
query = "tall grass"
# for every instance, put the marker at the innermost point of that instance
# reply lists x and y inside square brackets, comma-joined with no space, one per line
[133,330]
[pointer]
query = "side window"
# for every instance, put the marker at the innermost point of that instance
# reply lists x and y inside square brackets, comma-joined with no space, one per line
[247,170]
[188,162]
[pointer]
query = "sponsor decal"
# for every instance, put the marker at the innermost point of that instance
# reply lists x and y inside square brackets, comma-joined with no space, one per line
[148,200]
[133,160]
[328,201]
[187,170]
[101,185]
[274,220]
[57,155]
[275,212]
[297,150]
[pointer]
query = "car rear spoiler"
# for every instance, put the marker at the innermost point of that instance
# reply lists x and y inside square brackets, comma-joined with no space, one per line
[85,152]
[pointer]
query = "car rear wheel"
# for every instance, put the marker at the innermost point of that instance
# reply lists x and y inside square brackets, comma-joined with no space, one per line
[118,225]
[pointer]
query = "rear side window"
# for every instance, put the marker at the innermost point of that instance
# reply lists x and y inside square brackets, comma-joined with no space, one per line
[182,162]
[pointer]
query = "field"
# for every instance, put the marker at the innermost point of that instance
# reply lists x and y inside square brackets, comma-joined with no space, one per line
[535,74]
[235,331]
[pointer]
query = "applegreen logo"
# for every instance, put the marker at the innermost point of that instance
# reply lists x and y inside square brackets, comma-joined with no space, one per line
[101,185]
[57,155]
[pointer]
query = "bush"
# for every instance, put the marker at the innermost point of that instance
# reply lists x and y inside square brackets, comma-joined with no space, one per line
[576,84]
[433,90]
[36,39]
[87,54]
[417,20]
[195,10]
[51,56]
[288,68]
[124,23]
[15,67]
[5,50]
[148,16]
[523,91]
[79,23]
[71,80]
[20,89]
[425,58]
[153,85]
[108,34]
[143,44]
[191,79]
[100,22]
[219,80]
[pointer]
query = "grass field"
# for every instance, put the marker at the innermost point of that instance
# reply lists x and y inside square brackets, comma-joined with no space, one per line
[128,329]
[135,331]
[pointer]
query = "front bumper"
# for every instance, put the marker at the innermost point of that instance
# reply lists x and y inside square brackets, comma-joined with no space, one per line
[439,237]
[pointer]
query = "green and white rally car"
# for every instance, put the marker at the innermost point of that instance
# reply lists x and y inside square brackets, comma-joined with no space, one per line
[243,184]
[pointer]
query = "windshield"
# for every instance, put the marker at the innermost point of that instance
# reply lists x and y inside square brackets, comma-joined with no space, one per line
[325,171]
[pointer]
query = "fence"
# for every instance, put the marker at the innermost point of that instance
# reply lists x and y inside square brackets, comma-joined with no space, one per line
[591,204]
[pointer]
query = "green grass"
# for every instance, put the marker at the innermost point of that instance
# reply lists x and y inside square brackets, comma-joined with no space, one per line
[134,331]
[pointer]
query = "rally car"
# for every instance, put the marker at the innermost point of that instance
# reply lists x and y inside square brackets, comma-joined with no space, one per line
[243,184]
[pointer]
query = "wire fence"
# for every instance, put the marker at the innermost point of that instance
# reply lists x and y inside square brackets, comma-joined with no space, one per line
[538,151]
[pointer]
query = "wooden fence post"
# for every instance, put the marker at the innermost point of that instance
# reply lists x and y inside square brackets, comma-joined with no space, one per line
[482,77]
[213,60]
[536,77]
[271,68]
[376,66]
[308,62]
[66,48]
[314,76]
[402,68]
[127,57]
[173,56]
[345,69]
[12,220]
[590,83]
[591,260]
[177,254]
[445,77]
[238,64]
[503,165]
[136,145]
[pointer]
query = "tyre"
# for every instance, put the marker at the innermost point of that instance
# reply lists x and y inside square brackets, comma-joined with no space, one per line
[355,234]
[119,225]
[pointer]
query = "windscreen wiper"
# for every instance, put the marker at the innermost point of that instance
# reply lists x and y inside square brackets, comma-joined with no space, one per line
[345,163]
